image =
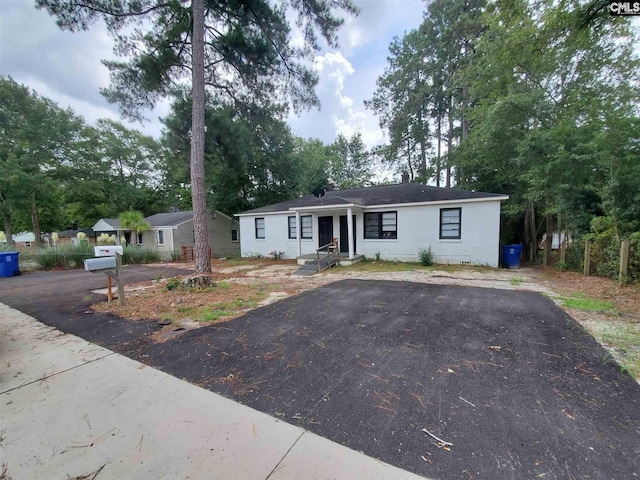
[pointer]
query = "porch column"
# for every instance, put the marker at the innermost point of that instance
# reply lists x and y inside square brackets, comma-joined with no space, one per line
[350,232]
[298,234]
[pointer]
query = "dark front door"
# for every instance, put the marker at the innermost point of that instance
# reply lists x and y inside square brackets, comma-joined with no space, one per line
[344,234]
[325,230]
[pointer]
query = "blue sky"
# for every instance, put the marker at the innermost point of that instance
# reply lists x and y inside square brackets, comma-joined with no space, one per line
[66,66]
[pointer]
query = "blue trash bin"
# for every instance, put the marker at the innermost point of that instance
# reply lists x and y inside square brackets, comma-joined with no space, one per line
[511,255]
[9,264]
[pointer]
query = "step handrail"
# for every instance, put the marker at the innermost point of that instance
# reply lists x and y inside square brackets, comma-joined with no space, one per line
[329,254]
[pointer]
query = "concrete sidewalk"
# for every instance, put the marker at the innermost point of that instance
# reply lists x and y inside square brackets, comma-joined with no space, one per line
[71,409]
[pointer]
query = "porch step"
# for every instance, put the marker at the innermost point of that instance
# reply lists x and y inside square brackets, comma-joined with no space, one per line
[312,267]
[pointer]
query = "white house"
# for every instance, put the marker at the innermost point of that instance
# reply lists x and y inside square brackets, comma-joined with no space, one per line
[171,231]
[389,221]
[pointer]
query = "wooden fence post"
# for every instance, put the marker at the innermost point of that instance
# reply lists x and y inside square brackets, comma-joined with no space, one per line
[624,261]
[563,251]
[587,257]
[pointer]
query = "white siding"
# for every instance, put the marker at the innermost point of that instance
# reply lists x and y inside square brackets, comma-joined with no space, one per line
[276,237]
[418,227]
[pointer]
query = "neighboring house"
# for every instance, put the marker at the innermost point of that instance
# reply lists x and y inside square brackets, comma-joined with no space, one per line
[172,230]
[71,236]
[391,222]
[23,240]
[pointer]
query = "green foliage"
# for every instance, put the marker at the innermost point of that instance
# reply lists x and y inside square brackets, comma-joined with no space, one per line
[133,254]
[588,304]
[66,256]
[134,220]
[426,256]
[176,255]
[172,284]
[562,266]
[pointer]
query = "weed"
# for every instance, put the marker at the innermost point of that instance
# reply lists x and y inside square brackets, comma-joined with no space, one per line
[625,341]
[158,277]
[172,284]
[189,310]
[562,266]
[426,256]
[223,284]
[378,256]
[515,281]
[213,315]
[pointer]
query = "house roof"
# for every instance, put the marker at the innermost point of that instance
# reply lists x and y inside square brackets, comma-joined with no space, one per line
[169,219]
[379,195]
[73,233]
[107,225]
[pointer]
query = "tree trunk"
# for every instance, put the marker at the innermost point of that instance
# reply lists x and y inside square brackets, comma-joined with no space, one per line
[35,221]
[8,228]
[438,151]
[549,238]
[409,159]
[450,147]
[198,187]
[527,236]
[533,233]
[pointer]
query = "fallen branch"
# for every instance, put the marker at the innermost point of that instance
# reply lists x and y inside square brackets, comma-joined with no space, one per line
[438,439]
[467,401]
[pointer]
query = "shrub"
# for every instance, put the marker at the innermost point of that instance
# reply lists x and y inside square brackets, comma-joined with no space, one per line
[172,284]
[426,256]
[131,254]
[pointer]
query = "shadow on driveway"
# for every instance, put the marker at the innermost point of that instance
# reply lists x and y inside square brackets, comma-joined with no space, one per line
[518,387]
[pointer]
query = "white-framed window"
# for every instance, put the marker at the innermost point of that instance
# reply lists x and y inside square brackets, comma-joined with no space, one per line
[260,230]
[306,227]
[450,223]
[293,229]
[160,237]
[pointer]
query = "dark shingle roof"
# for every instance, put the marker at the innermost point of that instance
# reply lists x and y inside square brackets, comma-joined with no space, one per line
[169,219]
[73,233]
[379,195]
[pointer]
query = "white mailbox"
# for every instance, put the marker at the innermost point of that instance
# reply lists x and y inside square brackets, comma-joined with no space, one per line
[107,250]
[100,264]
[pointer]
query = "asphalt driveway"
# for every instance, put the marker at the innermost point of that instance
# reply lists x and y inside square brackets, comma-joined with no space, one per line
[517,386]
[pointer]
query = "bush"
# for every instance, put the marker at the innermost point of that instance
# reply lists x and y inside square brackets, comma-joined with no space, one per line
[66,256]
[426,256]
[172,284]
[131,254]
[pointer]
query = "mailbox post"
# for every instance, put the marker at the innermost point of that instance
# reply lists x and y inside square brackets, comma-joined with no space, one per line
[108,261]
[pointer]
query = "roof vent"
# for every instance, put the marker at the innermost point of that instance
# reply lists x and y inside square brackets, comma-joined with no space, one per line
[405,177]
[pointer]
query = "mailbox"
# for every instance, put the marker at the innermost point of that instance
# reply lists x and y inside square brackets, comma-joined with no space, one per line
[107,250]
[100,264]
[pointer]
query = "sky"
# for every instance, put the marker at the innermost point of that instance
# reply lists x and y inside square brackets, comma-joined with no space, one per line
[66,67]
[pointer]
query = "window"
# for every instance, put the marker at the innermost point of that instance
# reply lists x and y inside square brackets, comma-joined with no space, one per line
[381,225]
[306,226]
[160,237]
[293,230]
[259,227]
[234,235]
[139,239]
[450,223]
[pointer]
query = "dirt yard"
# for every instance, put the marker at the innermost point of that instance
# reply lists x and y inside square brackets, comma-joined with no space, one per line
[610,312]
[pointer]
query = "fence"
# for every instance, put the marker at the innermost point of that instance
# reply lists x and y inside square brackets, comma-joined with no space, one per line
[623,274]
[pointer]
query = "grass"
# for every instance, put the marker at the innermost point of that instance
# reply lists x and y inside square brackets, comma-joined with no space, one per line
[214,315]
[582,302]
[515,281]
[625,342]
[368,265]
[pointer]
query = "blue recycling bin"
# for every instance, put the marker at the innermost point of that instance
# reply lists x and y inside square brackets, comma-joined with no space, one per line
[511,255]
[8,264]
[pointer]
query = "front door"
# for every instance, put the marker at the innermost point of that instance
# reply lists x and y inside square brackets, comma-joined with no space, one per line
[325,230]
[344,234]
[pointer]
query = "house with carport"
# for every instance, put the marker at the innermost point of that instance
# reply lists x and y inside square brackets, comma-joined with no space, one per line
[171,231]
[390,222]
